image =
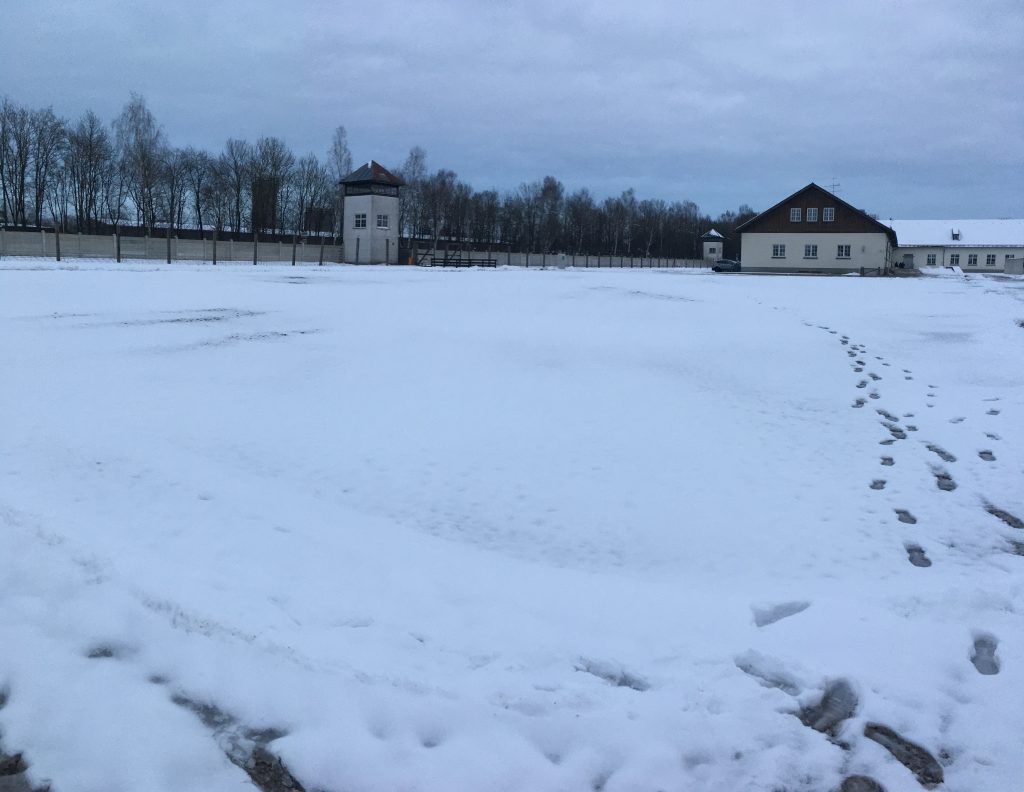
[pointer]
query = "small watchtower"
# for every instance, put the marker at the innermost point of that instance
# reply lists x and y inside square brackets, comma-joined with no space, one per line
[371,215]
[713,245]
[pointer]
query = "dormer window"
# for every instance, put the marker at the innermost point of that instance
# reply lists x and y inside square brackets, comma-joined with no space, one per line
[794,215]
[956,235]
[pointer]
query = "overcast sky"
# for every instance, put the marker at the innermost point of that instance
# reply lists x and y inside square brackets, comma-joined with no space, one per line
[914,106]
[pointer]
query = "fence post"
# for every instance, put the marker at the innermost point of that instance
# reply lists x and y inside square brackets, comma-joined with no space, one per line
[293,248]
[167,235]
[358,240]
[387,251]
[321,262]
[56,236]
[215,247]
[255,246]
[280,251]
[3,241]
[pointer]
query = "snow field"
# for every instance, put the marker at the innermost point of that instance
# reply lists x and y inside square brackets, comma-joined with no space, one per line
[506,529]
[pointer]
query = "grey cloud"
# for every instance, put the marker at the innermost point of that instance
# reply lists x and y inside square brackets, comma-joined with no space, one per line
[914,106]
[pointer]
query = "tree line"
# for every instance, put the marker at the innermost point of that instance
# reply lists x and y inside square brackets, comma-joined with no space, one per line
[86,175]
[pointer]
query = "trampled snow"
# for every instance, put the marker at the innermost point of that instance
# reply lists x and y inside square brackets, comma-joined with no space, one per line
[508,530]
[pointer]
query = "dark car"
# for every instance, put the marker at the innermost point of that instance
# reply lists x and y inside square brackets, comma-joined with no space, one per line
[726,265]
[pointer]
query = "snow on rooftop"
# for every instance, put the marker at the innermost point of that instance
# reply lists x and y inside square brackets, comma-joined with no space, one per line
[972,233]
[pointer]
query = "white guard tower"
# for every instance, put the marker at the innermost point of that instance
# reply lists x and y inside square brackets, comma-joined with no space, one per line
[371,215]
[713,245]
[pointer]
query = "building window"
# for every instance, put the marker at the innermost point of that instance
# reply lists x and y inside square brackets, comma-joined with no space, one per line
[842,251]
[828,214]
[972,259]
[990,260]
[810,251]
[931,259]
[954,259]
[1009,257]
[812,214]
[778,251]
[712,250]
[360,221]
[382,221]
[794,215]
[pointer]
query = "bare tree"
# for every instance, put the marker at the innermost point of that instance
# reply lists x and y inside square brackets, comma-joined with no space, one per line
[310,194]
[410,200]
[141,145]
[339,163]
[18,147]
[198,173]
[271,167]
[49,137]
[87,163]
[580,221]
[6,108]
[235,166]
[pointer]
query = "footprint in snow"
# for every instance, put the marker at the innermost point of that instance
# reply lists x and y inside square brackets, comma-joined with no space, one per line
[862,384]
[873,395]
[859,403]
[858,369]
[768,671]
[906,517]
[860,783]
[613,674]
[959,419]
[988,456]
[916,556]
[993,411]
[878,484]
[838,704]
[942,453]
[874,376]
[992,436]
[943,480]
[984,654]
[763,616]
[1012,520]
[916,759]
[888,461]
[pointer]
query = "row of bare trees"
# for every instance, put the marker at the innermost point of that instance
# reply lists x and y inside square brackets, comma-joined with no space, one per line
[540,217]
[86,175]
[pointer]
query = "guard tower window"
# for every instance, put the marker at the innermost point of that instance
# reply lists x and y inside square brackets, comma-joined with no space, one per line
[360,221]
[812,214]
[828,214]
[794,215]
[382,221]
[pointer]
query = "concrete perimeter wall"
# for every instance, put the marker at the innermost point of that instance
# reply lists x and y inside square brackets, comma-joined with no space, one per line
[44,243]
[507,259]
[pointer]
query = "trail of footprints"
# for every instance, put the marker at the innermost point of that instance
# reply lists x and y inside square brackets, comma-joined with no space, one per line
[839,701]
[246,747]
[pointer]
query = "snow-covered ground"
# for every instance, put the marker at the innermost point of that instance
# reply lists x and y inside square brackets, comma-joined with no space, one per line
[509,530]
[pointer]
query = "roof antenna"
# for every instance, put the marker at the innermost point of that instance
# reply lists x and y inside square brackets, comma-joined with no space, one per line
[834,186]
